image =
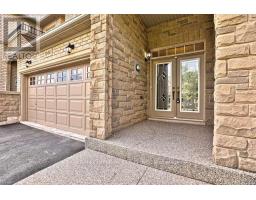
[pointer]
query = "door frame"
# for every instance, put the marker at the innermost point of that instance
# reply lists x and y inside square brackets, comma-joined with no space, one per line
[151,112]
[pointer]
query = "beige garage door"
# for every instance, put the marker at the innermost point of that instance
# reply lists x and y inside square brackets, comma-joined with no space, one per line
[60,99]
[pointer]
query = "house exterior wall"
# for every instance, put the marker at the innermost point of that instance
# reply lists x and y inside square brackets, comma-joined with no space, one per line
[3,63]
[184,30]
[118,93]
[235,92]
[129,87]
[70,16]
[101,64]
[53,24]
[9,106]
[55,52]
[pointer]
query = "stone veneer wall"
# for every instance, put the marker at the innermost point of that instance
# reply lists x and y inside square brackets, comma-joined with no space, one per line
[9,106]
[118,93]
[188,29]
[129,87]
[100,63]
[235,92]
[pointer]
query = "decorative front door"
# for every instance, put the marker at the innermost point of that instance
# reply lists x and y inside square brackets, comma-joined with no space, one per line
[177,88]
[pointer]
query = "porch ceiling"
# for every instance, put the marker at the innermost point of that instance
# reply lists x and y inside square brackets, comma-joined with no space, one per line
[154,19]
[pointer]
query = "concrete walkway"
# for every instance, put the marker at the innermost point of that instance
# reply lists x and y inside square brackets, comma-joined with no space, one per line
[91,167]
[25,150]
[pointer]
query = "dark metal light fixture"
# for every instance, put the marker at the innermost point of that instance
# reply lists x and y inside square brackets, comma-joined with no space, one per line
[147,56]
[28,63]
[69,48]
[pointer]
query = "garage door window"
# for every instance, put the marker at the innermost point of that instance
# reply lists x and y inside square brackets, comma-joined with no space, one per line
[50,78]
[62,76]
[40,80]
[87,72]
[76,74]
[32,80]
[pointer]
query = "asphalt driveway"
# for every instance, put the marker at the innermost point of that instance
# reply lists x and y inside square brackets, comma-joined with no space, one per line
[25,150]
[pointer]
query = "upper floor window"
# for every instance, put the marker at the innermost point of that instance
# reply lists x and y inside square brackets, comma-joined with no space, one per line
[50,78]
[87,72]
[76,74]
[32,80]
[40,80]
[62,76]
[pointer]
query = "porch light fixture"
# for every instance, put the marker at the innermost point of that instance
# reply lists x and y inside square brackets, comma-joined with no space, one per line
[147,56]
[28,63]
[137,67]
[69,48]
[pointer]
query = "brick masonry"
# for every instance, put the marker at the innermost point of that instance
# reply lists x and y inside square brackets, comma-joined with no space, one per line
[235,92]
[9,106]
[184,30]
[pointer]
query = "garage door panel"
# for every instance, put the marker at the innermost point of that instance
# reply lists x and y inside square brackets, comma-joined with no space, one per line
[76,90]
[32,115]
[62,91]
[51,118]
[31,92]
[62,105]
[62,119]
[50,91]
[76,106]
[76,121]
[40,116]
[40,103]
[50,104]
[40,92]
[31,103]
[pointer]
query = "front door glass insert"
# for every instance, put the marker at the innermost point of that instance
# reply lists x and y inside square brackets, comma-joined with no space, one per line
[164,86]
[189,85]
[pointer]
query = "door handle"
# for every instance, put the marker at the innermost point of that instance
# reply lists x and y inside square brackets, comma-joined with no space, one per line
[173,94]
[178,97]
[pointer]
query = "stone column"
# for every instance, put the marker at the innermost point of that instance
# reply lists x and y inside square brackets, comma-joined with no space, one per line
[100,62]
[235,92]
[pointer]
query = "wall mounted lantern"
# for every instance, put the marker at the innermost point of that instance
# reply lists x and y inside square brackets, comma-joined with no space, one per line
[28,63]
[147,56]
[69,48]
[137,68]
